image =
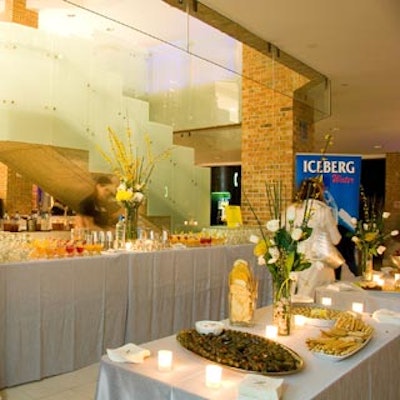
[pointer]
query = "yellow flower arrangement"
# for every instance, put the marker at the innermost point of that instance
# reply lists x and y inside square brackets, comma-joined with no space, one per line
[132,169]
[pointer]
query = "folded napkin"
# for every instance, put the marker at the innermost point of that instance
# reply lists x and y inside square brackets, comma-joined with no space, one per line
[343,287]
[386,316]
[255,387]
[297,298]
[128,353]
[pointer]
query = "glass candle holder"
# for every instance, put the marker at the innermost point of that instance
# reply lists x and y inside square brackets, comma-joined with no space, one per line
[165,360]
[213,376]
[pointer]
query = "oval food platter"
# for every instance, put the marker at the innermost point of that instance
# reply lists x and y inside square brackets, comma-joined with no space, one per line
[242,351]
[332,357]
[348,336]
[316,315]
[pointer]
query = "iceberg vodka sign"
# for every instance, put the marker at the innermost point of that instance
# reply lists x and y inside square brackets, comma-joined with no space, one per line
[341,175]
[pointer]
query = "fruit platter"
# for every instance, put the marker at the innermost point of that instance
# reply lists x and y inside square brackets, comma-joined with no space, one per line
[242,351]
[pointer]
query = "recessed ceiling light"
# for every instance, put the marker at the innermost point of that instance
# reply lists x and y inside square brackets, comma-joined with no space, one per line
[378,146]
[71,15]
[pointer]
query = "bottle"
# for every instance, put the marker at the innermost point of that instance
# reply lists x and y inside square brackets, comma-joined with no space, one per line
[119,242]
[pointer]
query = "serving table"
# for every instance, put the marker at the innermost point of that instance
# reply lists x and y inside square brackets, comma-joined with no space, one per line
[372,373]
[371,299]
[60,315]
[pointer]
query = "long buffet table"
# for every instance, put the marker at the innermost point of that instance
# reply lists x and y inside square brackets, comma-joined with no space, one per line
[60,315]
[372,373]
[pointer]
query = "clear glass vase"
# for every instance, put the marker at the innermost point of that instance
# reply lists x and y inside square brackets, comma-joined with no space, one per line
[282,315]
[366,264]
[131,222]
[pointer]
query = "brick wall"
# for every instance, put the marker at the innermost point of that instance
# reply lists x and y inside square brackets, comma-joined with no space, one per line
[19,193]
[16,11]
[274,128]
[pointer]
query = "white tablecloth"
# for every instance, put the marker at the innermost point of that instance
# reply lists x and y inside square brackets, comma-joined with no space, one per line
[60,315]
[372,300]
[57,315]
[172,289]
[370,374]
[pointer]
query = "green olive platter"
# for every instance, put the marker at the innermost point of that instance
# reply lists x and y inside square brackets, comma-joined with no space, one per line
[242,351]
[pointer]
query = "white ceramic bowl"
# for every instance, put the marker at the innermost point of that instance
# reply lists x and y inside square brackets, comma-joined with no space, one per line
[206,327]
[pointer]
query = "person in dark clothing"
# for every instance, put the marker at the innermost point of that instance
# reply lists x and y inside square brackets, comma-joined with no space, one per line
[94,211]
[347,249]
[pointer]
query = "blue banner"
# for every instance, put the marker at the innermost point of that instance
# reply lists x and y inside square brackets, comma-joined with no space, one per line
[341,175]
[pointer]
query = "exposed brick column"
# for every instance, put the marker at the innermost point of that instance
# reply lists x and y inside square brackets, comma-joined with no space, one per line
[274,128]
[16,11]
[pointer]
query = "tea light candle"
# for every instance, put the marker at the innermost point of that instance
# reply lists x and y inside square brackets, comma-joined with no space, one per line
[128,246]
[358,307]
[271,331]
[326,301]
[396,277]
[375,277]
[299,320]
[380,282]
[213,376]
[164,360]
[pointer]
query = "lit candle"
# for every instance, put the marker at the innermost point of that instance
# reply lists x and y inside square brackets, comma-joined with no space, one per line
[380,282]
[128,246]
[375,277]
[299,320]
[326,301]
[213,376]
[164,360]
[396,277]
[271,331]
[358,307]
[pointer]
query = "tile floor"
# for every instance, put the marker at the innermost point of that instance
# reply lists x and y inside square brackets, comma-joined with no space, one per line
[77,385]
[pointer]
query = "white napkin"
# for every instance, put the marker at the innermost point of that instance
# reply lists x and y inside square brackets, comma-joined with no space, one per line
[255,387]
[297,298]
[386,316]
[128,353]
[343,287]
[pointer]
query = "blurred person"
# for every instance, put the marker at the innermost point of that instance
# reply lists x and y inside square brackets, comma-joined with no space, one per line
[97,211]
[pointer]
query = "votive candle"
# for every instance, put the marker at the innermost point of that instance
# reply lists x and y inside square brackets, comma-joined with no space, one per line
[299,320]
[375,278]
[326,301]
[271,331]
[358,307]
[213,376]
[165,360]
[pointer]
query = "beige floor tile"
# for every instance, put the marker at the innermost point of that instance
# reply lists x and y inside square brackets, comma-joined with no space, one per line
[76,385]
[14,394]
[67,395]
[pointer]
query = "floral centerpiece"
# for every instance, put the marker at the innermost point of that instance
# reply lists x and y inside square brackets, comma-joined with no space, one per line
[369,234]
[280,250]
[133,171]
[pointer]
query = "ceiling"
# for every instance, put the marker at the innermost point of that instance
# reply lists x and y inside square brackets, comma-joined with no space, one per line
[353,43]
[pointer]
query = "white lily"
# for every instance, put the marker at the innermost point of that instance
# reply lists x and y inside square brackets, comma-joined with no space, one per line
[273,225]
[394,233]
[296,234]
[381,249]
[385,214]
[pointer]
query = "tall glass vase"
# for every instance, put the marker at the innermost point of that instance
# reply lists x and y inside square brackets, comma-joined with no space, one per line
[366,264]
[131,221]
[282,306]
